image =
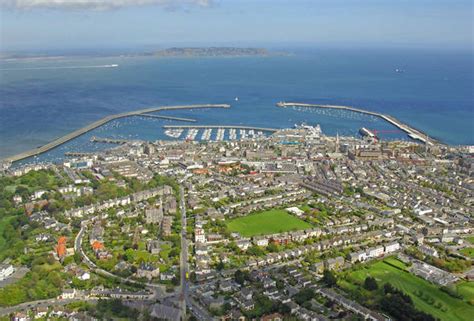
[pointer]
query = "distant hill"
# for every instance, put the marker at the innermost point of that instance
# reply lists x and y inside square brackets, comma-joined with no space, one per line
[211,52]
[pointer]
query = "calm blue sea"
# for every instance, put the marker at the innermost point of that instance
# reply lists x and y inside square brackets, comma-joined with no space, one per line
[40,102]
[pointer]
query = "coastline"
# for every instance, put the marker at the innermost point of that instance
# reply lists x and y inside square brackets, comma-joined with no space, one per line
[411,132]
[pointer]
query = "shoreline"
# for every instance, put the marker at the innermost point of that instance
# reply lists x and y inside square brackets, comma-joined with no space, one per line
[411,131]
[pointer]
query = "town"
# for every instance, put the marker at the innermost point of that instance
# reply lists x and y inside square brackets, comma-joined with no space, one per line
[296,225]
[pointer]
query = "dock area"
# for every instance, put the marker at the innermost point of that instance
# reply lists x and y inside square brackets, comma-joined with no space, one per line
[100,122]
[412,132]
[222,132]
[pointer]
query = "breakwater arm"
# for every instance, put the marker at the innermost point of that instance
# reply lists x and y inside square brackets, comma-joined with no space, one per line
[57,142]
[412,132]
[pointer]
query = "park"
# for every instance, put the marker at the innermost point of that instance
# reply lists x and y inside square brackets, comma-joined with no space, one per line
[267,222]
[426,297]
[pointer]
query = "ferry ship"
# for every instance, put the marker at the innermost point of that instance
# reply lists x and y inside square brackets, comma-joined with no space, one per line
[174,133]
[365,132]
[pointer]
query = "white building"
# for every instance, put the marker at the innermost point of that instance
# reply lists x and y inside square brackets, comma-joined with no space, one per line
[199,236]
[5,271]
[376,251]
[295,211]
[392,247]
[261,241]
[68,294]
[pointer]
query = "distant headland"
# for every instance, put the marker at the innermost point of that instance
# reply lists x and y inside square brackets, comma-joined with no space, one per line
[167,52]
[211,52]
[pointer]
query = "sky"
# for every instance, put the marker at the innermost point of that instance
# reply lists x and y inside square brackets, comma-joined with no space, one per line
[37,25]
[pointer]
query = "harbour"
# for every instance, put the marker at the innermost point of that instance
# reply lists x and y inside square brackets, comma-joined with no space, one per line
[96,124]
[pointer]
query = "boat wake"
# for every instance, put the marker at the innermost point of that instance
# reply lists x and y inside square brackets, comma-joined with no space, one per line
[60,67]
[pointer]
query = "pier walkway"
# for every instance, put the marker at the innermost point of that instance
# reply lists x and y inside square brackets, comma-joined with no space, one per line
[78,154]
[110,140]
[263,129]
[189,120]
[412,132]
[100,122]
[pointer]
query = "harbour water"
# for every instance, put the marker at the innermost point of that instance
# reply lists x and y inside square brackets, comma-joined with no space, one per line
[41,100]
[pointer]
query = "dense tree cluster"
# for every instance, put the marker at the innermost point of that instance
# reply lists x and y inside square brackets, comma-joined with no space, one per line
[329,278]
[370,284]
[42,282]
[400,305]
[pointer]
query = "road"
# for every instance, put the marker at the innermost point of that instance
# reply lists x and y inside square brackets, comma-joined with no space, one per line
[184,299]
[42,303]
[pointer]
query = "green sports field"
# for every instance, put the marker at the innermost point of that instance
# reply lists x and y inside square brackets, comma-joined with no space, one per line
[267,222]
[426,296]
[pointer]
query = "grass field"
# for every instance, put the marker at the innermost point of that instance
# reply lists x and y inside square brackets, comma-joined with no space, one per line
[268,222]
[466,289]
[425,295]
[3,222]
[470,239]
[468,251]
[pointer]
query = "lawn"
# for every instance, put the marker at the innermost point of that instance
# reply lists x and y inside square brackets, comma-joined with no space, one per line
[3,223]
[468,251]
[424,294]
[267,222]
[470,239]
[466,289]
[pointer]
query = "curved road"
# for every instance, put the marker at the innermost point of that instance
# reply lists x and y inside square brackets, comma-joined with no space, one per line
[157,288]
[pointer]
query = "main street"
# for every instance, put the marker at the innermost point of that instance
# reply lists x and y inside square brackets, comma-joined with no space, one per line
[184,255]
[186,301]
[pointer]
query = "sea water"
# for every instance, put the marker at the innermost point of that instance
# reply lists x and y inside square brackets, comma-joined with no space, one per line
[41,100]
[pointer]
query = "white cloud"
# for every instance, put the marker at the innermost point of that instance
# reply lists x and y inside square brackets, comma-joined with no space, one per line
[97,4]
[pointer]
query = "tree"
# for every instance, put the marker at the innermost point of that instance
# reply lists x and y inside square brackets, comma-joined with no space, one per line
[304,296]
[255,251]
[329,278]
[370,284]
[272,247]
[240,277]
[220,266]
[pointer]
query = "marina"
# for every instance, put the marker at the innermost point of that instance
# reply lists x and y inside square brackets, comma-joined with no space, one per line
[192,133]
[220,134]
[223,132]
[206,134]
[232,134]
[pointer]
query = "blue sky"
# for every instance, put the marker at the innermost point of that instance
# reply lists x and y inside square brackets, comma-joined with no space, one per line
[74,24]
